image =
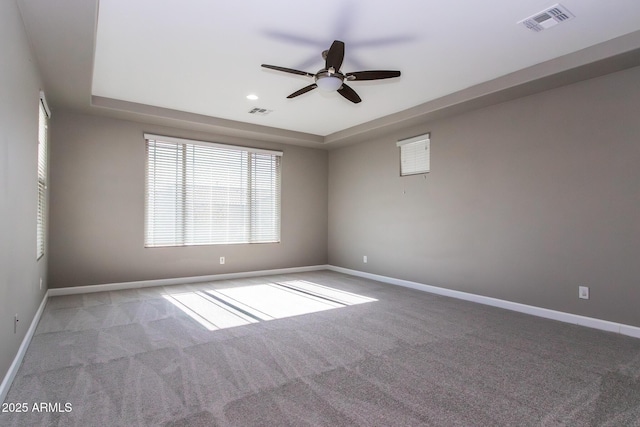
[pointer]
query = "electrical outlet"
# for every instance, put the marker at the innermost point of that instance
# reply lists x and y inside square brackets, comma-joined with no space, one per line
[15,323]
[364,259]
[583,292]
[221,260]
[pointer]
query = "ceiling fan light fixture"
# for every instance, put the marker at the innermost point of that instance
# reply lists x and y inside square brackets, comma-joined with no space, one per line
[329,83]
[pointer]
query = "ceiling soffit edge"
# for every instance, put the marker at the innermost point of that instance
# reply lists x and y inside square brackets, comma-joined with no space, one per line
[608,57]
[168,117]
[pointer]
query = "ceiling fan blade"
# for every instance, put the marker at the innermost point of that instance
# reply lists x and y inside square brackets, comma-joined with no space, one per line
[303,90]
[349,93]
[373,75]
[287,70]
[335,55]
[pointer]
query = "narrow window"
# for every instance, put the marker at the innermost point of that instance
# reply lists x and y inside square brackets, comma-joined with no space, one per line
[200,193]
[43,124]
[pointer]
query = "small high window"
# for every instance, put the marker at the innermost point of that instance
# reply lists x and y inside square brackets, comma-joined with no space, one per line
[414,155]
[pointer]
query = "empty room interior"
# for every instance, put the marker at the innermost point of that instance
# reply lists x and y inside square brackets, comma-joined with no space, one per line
[345,213]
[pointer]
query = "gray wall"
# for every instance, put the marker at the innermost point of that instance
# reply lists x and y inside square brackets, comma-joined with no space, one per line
[97,212]
[525,201]
[19,271]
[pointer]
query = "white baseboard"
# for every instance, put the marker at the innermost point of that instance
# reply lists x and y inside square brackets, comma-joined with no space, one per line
[178,280]
[575,319]
[17,361]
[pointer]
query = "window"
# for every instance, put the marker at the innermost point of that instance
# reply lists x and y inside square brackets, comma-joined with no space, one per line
[414,155]
[41,230]
[200,193]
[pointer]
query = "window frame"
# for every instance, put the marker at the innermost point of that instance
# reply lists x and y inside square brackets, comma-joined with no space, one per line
[258,172]
[409,154]
[44,115]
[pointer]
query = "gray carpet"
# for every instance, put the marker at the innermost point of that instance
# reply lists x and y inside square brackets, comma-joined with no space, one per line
[133,358]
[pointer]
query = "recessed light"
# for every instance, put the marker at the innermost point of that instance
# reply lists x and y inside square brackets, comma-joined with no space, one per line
[252,97]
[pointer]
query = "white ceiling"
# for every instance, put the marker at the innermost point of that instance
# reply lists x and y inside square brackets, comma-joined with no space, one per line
[204,56]
[190,63]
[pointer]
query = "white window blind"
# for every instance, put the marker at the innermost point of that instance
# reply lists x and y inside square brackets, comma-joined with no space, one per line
[200,193]
[415,155]
[43,118]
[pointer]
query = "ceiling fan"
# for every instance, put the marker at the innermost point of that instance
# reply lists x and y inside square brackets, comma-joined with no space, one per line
[330,78]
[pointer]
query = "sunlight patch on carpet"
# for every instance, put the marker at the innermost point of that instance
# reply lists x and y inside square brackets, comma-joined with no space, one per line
[237,306]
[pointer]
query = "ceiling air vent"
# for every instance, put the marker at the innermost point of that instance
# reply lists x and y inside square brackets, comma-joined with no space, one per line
[548,18]
[259,111]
